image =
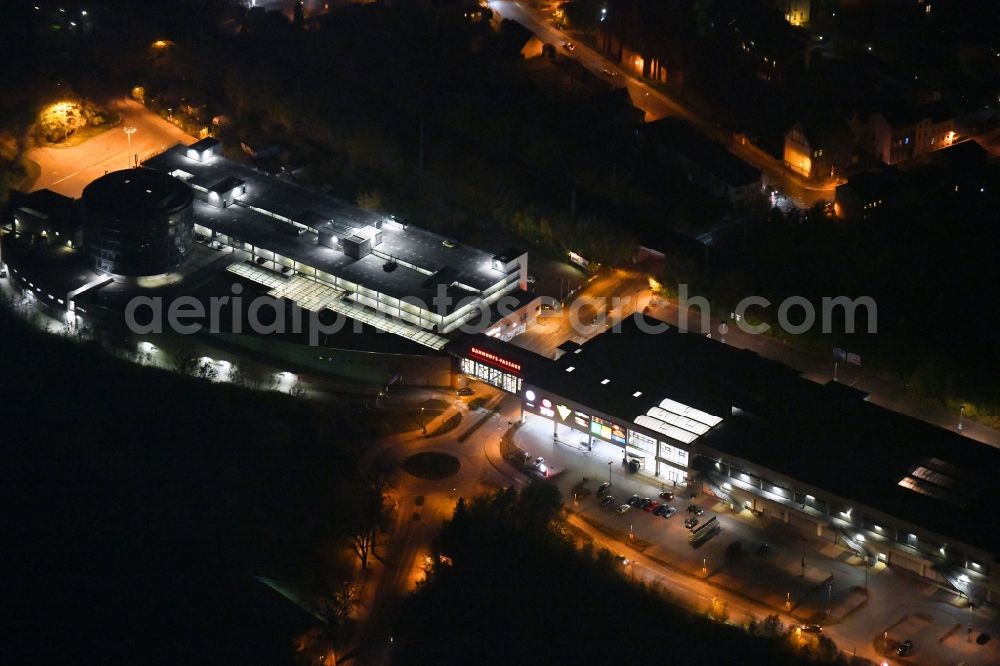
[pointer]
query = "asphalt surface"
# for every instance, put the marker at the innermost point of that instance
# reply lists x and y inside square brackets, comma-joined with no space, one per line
[756,585]
[68,170]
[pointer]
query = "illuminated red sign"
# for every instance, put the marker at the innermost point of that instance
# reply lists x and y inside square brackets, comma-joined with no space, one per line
[493,359]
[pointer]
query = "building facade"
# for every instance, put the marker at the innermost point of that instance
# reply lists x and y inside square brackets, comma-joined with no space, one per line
[695,413]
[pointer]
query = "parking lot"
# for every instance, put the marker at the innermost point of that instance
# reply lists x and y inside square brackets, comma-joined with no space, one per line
[810,579]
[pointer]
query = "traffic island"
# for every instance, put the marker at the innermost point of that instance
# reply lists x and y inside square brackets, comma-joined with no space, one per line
[431,465]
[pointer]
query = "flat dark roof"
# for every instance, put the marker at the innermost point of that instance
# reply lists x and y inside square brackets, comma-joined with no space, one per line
[824,435]
[427,250]
[136,194]
[268,233]
[204,144]
[226,184]
[861,452]
[509,254]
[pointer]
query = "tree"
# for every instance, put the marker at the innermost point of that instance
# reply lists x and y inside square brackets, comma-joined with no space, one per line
[771,627]
[538,504]
[297,389]
[371,200]
[369,513]
[337,607]
[207,371]
[826,650]
[238,378]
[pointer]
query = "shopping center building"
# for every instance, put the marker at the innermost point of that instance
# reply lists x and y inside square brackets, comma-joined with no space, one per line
[190,215]
[693,412]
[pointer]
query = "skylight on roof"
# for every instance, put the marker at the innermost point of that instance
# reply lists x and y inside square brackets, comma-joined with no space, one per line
[570,369]
[578,350]
[637,394]
[605,381]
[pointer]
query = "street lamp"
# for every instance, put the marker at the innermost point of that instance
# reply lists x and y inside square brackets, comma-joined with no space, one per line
[609,472]
[961,417]
[423,423]
[129,131]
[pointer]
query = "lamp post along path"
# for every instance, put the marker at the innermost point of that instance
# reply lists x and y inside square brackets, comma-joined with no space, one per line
[129,131]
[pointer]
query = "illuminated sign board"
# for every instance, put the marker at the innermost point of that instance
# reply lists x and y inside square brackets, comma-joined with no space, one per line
[607,430]
[582,420]
[578,260]
[546,408]
[564,411]
[499,361]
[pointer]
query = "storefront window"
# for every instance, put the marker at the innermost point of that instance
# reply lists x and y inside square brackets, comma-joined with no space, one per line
[642,442]
[493,376]
[673,454]
[607,430]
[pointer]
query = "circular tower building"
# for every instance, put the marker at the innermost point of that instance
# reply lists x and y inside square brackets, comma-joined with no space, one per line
[138,222]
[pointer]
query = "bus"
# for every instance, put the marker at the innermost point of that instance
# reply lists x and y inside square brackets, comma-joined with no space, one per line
[704,532]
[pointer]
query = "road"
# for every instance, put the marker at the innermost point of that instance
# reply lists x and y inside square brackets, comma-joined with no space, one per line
[656,104]
[605,293]
[421,507]
[68,170]
[754,584]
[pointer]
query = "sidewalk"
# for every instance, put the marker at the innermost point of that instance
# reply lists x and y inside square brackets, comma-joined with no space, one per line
[761,583]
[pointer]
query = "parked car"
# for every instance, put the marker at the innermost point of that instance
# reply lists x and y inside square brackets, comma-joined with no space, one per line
[644,502]
[450,244]
[465,391]
[695,509]
[608,499]
[667,495]
[905,648]
[634,500]
[651,506]
[812,628]
[603,488]
[763,548]
[569,46]
[666,510]
[623,508]
[690,523]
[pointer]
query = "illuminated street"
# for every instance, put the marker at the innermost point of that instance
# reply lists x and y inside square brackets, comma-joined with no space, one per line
[656,104]
[500,332]
[758,584]
[68,170]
